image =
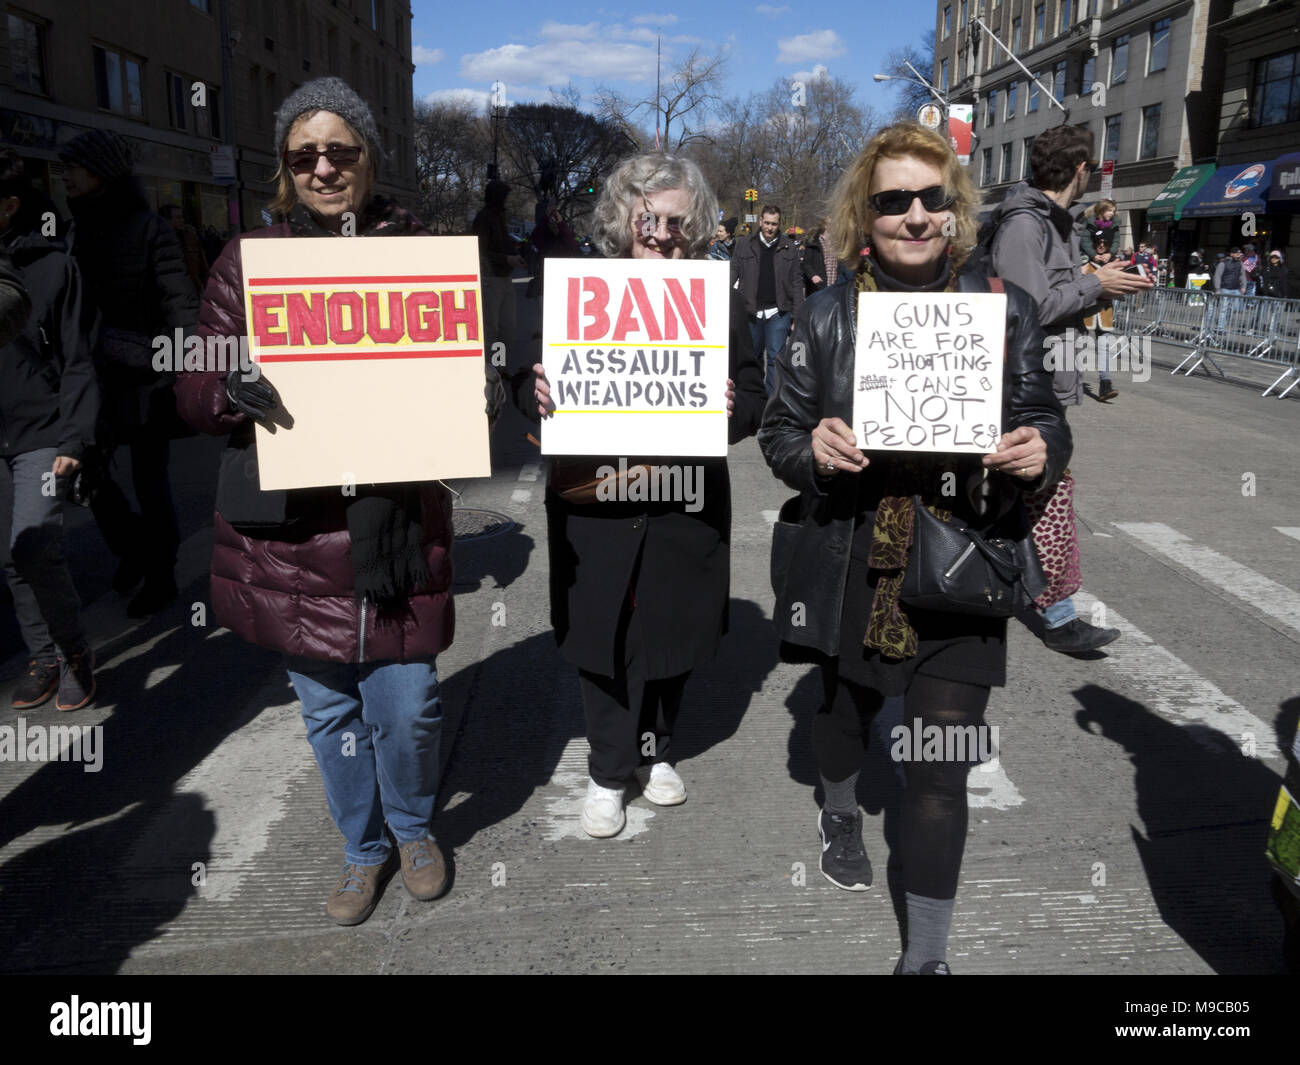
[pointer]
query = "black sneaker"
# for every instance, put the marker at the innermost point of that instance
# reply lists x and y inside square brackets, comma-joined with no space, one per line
[1106,392]
[1077,637]
[37,686]
[844,859]
[930,968]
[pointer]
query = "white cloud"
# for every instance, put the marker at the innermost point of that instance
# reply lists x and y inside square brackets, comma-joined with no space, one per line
[640,33]
[820,44]
[772,12]
[818,71]
[567,32]
[476,98]
[421,55]
[655,20]
[556,62]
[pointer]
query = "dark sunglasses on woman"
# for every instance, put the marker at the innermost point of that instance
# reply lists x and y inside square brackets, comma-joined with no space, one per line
[303,160]
[899,201]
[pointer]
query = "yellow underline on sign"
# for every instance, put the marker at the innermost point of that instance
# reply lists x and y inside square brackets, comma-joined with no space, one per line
[618,410]
[642,344]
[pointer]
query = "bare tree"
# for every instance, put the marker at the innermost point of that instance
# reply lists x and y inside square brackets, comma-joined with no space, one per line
[687,95]
[911,95]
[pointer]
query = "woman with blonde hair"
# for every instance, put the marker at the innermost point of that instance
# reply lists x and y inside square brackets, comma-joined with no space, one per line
[639,590]
[904,215]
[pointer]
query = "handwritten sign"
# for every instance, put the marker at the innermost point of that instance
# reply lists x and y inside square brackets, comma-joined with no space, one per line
[928,373]
[636,353]
[375,345]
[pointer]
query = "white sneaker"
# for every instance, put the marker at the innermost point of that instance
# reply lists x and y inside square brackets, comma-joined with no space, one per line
[661,784]
[602,813]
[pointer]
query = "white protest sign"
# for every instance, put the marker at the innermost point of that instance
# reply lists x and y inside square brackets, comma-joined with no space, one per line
[636,354]
[375,346]
[928,375]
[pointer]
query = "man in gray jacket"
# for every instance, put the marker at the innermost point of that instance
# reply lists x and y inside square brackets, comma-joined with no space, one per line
[1036,246]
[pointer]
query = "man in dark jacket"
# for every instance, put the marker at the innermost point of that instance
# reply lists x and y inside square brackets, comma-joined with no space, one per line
[48,403]
[134,273]
[766,270]
[1274,281]
[1036,246]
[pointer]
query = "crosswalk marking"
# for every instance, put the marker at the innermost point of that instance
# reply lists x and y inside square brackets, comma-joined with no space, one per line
[1273,599]
[1171,688]
[1292,531]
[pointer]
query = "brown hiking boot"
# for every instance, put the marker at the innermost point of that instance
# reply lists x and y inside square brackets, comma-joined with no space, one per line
[357,891]
[424,870]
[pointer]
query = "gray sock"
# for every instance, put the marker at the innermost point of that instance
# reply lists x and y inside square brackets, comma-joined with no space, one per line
[841,798]
[927,931]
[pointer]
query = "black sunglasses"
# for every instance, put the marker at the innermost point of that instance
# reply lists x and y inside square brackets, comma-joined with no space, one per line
[303,160]
[899,201]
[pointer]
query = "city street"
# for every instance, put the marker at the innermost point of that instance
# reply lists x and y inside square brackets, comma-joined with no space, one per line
[1120,830]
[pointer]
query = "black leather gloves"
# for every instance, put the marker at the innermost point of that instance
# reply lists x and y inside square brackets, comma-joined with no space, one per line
[256,398]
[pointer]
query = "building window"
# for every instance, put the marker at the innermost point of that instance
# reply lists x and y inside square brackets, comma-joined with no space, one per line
[1065,16]
[1087,75]
[1027,149]
[202,5]
[991,108]
[117,82]
[1006,161]
[943,75]
[1113,123]
[374,15]
[1015,35]
[1150,132]
[27,54]
[962,16]
[1159,52]
[1119,60]
[178,101]
[1058,81]
[1277,89]
[988,166]
[1033,95]
[1040,20]
[947,22]
[1011,100]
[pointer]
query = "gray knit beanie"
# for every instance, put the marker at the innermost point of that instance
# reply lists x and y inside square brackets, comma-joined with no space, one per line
[101,151]
[333,95]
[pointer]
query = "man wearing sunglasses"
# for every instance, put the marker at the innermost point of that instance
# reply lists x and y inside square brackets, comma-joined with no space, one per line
[1036,246]
[767,271]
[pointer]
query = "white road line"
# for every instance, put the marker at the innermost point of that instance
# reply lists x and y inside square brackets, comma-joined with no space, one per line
[987,785]
[563,817]
[1289,530]
[521,495]
[530,471]
[770,516]
[1275,600]
[1172,689]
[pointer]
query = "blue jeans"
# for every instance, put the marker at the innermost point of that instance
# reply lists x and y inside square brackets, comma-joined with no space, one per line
[769,335]
[374,729]
[1059,614]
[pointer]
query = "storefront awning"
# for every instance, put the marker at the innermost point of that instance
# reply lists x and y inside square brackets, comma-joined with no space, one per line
[1185,184]
[1285,193]
[1231,191]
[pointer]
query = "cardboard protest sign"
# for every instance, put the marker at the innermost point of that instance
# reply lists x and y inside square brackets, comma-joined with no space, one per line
[928,373]
[375,345]
[636,354]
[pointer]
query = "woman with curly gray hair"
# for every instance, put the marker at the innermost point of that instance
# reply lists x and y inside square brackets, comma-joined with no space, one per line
[639,590]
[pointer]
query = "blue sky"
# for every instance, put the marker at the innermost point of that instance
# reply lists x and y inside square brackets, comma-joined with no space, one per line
[531,47]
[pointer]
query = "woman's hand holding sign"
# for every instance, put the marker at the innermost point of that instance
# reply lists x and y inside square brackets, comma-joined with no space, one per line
[542,392]
[1021,453]
[834,449]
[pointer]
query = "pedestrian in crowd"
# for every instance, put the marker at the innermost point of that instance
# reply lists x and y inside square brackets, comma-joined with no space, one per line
[1253,267]
[1034,215]
[1098,224]
[1229,280]
[1145,258]
[134,275]
[48,404]
[196,262]
[765,268]
[498,259]
[1273,280]
[814,262]
[355,591]
[1100,322]
[639,590]
[551,239]
[903,195]
[723,242]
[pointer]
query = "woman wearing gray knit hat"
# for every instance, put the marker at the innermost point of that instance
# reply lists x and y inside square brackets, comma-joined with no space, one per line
[354,590]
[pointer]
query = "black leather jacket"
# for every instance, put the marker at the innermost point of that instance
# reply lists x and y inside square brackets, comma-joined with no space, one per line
[812,539]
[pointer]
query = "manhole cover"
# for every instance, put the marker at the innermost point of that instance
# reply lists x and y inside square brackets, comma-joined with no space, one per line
[479,524]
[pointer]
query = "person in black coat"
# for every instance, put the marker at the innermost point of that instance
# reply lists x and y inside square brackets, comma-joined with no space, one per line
[134,273]
[1273,281]
[639,590]
[842,546]
[814,262]
[48,403]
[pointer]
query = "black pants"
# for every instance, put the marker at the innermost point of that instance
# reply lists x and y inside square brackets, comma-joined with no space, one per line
[934,814]
[630,720]
[152,537]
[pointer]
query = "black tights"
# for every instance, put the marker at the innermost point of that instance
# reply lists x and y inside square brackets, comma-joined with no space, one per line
[934,815]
